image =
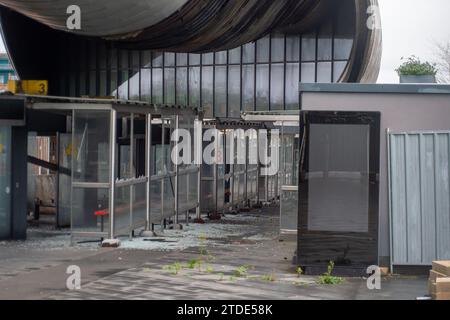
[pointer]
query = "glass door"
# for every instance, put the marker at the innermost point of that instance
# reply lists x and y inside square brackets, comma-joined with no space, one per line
[5,182]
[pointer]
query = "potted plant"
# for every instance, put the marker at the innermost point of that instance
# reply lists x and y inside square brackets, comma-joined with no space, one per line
[415,71]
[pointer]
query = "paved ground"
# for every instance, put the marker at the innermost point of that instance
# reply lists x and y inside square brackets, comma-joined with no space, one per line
[241,259]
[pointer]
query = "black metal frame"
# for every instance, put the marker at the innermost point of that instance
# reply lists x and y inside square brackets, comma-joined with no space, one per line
[314,248]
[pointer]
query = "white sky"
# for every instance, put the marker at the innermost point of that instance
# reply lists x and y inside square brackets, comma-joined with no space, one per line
[409,27]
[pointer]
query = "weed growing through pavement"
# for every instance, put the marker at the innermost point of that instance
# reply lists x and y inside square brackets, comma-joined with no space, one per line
[328,279]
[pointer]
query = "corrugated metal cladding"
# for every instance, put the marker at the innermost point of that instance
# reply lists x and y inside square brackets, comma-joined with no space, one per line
[419,197]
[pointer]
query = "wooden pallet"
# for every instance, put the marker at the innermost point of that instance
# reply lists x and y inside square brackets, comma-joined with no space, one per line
[439,281]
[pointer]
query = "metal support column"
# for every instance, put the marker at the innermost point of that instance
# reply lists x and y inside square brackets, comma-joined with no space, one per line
[164,170]
[177,202]
[112,170]
[199,140]
[148,168]
[132,173]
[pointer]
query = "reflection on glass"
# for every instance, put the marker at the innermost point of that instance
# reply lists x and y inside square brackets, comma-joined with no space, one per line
[134,86]
[157,86]
[248,53]
[169,86]
[248,87]
[324,43]
[263,49]
[207,91]
[324,72]
[292,82]
[277,48]
[234,55]
[169,59]
[277,87]
[182,87]
[221,57]
[234,91]
[292,48]
[194,59]
[146,85]
[262,87]
[182,59]
[309,47]
[308,72]
[220,86]
[146,59]
[208,58]
[5,182]
[338,69]
[194,86]
[338,188]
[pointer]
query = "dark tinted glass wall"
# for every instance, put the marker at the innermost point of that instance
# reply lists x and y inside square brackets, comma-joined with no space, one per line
[261,75]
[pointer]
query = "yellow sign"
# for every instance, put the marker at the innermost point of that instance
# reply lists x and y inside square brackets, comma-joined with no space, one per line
[33,87]
[1,148]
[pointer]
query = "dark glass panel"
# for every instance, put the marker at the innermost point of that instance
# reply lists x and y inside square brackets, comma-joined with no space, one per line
[135,59]
[292,82]
[324,45]
[338,69]
[292,48]
[182,94]
[207,91]
[338,191]
[324,72]
[343,34]
[263,49]
[146,59]
[248,55]
[221,57]
[194,86]
[169,59]
[92,56]
[182,59]
[123,59]
[208,58]
[262,87]
[277,86]
[146,94]
[169,86]
[309,47]
[102,54]
[194,59]
[277,48]
[134,85]
[157,59]
[123,86]
[234,56]
[308,72]
[103,83]
[234,91]
[113,60]
[157,86]
[220,87]
[93,83]
[248,87]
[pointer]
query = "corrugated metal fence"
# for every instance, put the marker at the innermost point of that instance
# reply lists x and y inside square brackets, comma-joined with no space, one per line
[419,197]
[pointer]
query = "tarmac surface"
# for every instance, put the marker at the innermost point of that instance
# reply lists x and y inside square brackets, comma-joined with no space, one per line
[238,257]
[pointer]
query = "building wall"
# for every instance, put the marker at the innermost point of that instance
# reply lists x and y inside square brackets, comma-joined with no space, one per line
[399,112]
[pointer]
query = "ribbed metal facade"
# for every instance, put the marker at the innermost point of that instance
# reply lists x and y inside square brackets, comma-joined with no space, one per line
[419,197]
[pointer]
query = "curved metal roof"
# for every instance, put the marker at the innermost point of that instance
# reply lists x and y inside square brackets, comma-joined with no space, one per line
[99,17]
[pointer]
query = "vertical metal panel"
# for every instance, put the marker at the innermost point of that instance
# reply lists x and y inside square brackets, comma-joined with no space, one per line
[419,197]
